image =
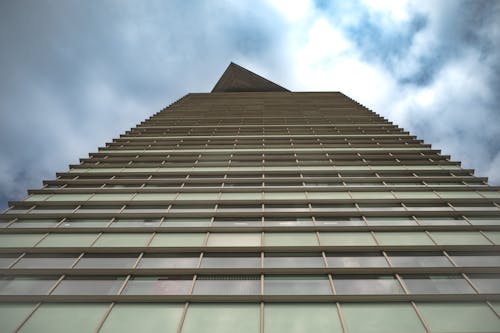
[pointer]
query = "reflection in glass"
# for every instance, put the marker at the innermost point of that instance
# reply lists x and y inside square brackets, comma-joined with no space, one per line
[366,284]
[297,285]
[227,285]
[156,285]
[437,284]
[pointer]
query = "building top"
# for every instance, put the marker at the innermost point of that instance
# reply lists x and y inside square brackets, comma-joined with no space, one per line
[239,79]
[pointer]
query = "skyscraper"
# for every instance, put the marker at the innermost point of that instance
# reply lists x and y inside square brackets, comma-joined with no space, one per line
[256,209]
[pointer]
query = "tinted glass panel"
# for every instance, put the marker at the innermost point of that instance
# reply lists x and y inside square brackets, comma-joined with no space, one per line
[227,285]
[172,285]
[361,284]
[296,285]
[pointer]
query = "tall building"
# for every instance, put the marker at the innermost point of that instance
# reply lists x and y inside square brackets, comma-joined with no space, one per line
[256,209]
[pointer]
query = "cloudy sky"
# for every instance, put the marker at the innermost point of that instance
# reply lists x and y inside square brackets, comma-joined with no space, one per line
[75,74]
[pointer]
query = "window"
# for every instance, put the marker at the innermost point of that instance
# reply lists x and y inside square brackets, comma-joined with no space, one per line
[297,285]
[222,318]
[89,285]
[227,285]
[35,223]
[437,284]
[234,239]
[46,260]
[19,240]
[185,260]
[476,259]
[459,317]
[65,317]
[346,238]
[301,317]
[155,285]
[177,239]
[6,259]
[336,221]
[293,260]
[290,239]
[459,238]
[67,240]
[154,197]
[381,317]
[356,259]
[186,222]
[12,314]
[84,223]
[130,223]
[122,239]
[231,260]
[366,284]
[419,259]
[26,285]
[112,197]
[390,221]
[143,317]
[110,260]
[403,238]
[486,283]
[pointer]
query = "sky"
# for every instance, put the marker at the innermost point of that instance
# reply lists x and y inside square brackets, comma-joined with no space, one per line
[75,74]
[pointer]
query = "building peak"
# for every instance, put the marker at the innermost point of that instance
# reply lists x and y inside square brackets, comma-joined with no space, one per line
[239,79]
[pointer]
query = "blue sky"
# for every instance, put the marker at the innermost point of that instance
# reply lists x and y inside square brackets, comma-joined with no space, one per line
[75,74]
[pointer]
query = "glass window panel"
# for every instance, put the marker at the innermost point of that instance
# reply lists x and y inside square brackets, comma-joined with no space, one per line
[156,285]
[356,259]
[154,196]
[458,194]
[122,239]
[328,195]
[366,284]
[290,239]
[6,259]
[112,197]
[37,197]
[231,196]
[89,285]
[301,317]
[494,236]
[336,221]
[12,315]
[46,260]
[108,260]
[19,240]
[198,196]
[459,238]
[291,260]
[177,239]
[441,221]
[288,221]
[486,220]
[143,317]
[26,285]
[346,238]
[297,285]
[186,222]
[372,195]
[459,317]
[231,260]
[69,197]
[403,238]
[67,240]
[284,196]
[390,221]
[65,317]
[35,223]
[486,283]
[416,195]
[437,284]
[222,318]
[419,259]
[85,223]
[381,318]
[476,259]
[185,260]
[227,285]
[234,239]
[128,223]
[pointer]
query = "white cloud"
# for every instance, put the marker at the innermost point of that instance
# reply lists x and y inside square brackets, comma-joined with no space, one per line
[295,10]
